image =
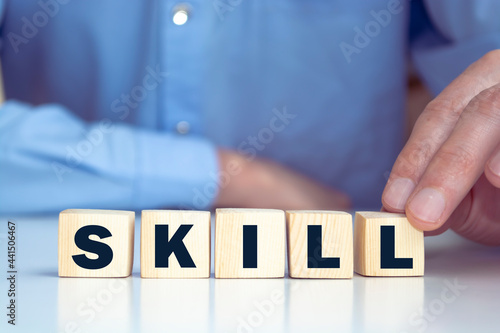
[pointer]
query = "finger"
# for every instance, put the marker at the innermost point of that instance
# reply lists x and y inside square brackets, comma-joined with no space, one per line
[458,217]
[439,230]
[436,232]
[492,169]
[480,224]
[433,128]
[458,163]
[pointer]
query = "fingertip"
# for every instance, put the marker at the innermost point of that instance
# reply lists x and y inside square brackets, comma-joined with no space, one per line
[421,225]
[432,233]
[439,230]
[426,208]
[396,194]
[388,209]
[492,174]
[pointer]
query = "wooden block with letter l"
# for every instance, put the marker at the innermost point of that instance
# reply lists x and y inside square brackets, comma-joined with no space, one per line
[175,244]
[96,243]
[386,244]
[249,243]
[320,244]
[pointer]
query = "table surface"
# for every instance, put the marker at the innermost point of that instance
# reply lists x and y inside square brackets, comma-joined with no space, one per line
[459,293]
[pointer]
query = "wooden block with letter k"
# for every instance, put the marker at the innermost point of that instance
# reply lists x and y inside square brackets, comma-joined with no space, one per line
[386,244]
[249,243]
[175,244]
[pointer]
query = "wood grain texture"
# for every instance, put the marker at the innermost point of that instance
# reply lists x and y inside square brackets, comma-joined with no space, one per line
[336,242]
[409,243]
[229,243]
[197,242]
[121,226]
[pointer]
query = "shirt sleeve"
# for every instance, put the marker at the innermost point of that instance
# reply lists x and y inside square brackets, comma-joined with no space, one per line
[51,160]
[452,35]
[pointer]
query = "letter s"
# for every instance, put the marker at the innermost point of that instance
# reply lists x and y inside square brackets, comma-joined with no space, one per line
[83,242]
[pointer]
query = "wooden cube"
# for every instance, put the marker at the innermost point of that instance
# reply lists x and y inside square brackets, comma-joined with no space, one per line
[96,243]
[319,244]
[249,243]
[175,244]
[386,244]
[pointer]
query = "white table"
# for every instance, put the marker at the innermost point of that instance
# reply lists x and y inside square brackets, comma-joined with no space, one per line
[47,303]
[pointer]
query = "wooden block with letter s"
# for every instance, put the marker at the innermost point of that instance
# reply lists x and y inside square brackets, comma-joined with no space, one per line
[250,243]
[386,244]
[96,243]
[175,244]
[320,244]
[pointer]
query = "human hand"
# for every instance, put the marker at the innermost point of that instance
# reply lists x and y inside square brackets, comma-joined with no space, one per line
[448,173]
[260,183]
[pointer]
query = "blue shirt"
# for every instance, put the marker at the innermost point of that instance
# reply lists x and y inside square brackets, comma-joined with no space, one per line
[112,105]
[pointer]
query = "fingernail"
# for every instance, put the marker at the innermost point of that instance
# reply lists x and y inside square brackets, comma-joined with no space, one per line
[398,192]
[428,205]
[495,164]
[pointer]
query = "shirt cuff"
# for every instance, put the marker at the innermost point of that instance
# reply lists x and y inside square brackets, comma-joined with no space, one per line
[175,171]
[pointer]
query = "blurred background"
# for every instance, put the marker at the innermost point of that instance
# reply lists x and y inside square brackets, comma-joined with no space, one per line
[154,107]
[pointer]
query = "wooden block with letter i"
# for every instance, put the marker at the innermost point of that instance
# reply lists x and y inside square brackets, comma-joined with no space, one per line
[319,244]
[96,243]
[175,244]
[249,243]
[386,244]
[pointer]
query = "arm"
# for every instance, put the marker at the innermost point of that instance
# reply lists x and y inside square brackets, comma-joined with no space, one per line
[51,160]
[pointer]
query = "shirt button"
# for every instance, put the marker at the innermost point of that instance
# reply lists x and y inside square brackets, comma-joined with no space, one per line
[180,13]
[182,127]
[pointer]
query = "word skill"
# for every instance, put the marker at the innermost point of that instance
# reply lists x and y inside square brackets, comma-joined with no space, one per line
[249,243]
